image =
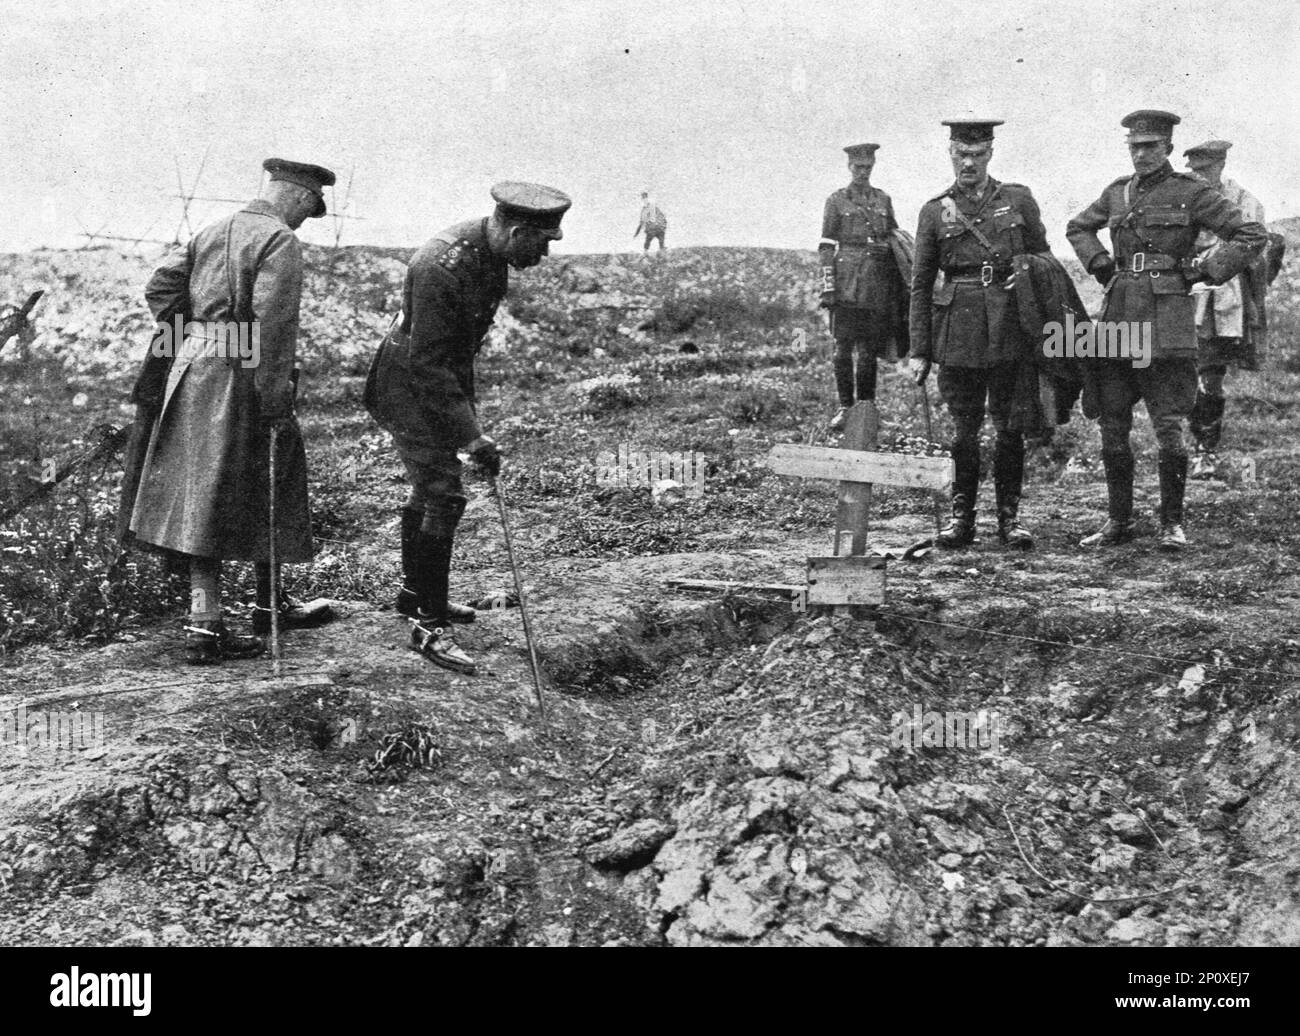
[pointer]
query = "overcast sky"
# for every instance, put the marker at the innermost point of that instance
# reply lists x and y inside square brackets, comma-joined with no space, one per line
[731,113]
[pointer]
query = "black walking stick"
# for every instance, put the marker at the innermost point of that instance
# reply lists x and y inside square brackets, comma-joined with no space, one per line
[519,589]
[275,567]
[912,552]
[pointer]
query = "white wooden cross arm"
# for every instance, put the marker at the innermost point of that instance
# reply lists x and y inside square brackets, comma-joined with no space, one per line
[889,469]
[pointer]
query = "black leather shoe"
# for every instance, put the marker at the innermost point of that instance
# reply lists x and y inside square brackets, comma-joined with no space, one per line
[209,643]
[437,644]
[408,604]
[294,616]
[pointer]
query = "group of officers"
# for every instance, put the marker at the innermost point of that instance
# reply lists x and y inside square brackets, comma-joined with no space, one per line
[198,478]
[1187,261]
[198,474]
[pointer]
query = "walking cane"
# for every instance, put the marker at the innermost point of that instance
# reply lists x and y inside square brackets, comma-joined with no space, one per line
[929,437]
[519,589]
[275,567]
[929,541]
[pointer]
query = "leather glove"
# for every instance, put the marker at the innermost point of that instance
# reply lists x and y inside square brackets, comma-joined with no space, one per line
[1103,268]
[485,455]
[1193,270]
[919,369]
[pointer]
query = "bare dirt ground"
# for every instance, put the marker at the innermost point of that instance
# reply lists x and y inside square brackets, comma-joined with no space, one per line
[715,768]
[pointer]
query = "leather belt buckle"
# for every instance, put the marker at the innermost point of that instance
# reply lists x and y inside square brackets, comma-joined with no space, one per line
[986,274]
[1138,262]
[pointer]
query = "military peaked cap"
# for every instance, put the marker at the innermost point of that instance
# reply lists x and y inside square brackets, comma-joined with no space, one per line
[313,177]
[861,150]
[972,131]
[1149,124]
[531,204]
[1210,149]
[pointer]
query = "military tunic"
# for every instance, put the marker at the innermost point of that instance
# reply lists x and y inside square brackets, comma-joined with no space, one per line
[1154,223]
[856,229]
[421,382]
[971,320]
[868,316]
[204,478]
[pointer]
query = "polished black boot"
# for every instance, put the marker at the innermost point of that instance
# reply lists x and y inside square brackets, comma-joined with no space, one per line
[843,384]
[422,562]
[1119,490]
[415,577]
[1206,424]
[1206,420]
[1173,484]
[431,634]
[1008,477]
[960,531]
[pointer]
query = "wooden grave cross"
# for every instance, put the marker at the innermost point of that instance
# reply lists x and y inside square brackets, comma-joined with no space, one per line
[850,577]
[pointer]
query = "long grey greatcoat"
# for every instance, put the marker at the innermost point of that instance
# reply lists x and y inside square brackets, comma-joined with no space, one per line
[203,483]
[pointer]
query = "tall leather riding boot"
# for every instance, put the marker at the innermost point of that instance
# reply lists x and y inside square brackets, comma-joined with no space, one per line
[961,530]
[1206,421]
[844,373]
[865,379]
[426,566]
[1173,485]
[415,575]
[431,634]
[1008,478]
[437,553]
[1119,490]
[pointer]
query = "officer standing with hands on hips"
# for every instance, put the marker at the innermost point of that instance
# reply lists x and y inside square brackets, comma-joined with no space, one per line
[970,324]
[861,285]
[421,389]
[1155,216]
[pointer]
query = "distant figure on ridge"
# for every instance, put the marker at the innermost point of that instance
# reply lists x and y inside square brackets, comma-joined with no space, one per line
[653,221]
